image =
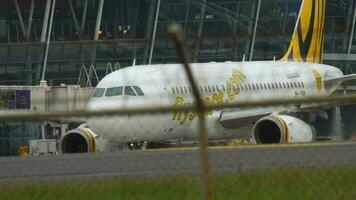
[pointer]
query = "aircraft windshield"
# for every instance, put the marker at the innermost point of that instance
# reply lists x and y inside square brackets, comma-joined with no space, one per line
[129,91]
[114,91]
[138,90]
[99,92]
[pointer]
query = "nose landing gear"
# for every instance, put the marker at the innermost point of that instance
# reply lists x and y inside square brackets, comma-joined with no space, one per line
[136,145]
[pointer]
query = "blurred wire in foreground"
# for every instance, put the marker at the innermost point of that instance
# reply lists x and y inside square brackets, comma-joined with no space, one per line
[175,32]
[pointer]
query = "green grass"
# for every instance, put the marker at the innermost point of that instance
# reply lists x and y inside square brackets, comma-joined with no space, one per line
[286,184]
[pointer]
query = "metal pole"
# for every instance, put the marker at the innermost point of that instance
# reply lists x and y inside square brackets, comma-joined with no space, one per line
[71,8]
[84,16]
[22,25]
[45,21]
[186,18]
[255,29]
[352,32]
[149,29]
[154,32]
[98,19]
[30,19]
[200,31]
[47,42]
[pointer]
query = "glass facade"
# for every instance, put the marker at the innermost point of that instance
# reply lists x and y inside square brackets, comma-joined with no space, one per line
[215,30]
[12,136]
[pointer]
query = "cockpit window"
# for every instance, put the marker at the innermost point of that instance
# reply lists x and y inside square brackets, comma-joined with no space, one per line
[138,90]
[99,92]
[114,91]
[129,91]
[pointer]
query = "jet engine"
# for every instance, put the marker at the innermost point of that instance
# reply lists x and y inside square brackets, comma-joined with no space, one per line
[84,140]
[282,129]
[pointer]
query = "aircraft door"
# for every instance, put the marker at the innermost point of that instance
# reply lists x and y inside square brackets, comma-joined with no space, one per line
[161,85]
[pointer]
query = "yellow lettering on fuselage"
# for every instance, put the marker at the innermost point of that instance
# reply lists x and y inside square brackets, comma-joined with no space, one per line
[232,91]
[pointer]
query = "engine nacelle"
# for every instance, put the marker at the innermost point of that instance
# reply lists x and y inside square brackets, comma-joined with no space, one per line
[84,140]
[282,129]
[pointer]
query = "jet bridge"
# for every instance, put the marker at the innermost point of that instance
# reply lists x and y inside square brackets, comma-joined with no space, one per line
[44,98]
[39,99]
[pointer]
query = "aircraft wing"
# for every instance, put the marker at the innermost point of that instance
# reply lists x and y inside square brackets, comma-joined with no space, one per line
[242,117]
[341,79]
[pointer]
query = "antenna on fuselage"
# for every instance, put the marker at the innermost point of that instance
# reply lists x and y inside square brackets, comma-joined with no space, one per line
[243,58]
[274,58]
[134,62]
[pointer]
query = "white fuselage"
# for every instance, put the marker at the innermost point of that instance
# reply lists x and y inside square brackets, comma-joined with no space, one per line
[228,82]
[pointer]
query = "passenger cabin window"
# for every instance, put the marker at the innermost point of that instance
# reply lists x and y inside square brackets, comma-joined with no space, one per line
[181,90]
[138,90]
[99,92]
[129,91]
[114,91]
[205,89]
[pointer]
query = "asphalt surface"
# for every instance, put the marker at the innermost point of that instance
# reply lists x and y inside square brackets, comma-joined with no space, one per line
[176,161]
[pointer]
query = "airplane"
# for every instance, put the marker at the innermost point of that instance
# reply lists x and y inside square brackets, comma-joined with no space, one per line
[298,74]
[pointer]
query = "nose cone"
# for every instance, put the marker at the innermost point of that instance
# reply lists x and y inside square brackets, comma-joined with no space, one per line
[111,127]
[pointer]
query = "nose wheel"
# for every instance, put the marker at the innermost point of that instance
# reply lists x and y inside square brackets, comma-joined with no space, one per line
[135,145]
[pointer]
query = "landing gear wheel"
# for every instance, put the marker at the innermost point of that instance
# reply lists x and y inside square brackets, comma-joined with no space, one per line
[135,145]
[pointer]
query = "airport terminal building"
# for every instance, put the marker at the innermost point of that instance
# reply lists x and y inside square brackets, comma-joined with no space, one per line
[128,30]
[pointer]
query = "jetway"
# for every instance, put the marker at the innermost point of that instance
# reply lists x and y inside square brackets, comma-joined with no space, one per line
[44,98]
